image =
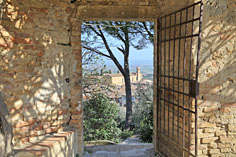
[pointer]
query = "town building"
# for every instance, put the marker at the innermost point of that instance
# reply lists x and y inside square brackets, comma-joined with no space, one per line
[118,78]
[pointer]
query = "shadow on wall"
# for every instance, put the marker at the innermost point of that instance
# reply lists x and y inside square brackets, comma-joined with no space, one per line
[217,73]
[35,69]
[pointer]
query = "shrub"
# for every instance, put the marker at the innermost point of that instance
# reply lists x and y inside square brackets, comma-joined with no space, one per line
[146,124]
[143,112]
[144,96]
[100,115]
[126,134]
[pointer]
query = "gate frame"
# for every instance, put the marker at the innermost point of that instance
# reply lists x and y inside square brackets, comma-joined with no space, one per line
[193,83]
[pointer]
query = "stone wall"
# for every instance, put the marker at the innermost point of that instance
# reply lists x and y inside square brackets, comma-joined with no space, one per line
[216,107]
[216,130]
[119,9]
[39,67]
[218,57]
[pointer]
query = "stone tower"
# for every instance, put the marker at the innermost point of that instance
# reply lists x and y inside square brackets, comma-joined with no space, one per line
[138,73]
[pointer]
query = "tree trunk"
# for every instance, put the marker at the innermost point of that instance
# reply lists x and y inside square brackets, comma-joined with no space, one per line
[6,134]
[128,98]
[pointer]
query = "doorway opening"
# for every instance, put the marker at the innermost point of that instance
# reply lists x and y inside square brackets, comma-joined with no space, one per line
[117,80]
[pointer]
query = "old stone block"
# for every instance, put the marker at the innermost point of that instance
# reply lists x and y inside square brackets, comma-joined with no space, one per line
[220,132]
[225,139]
[76,33]
[214,119]
[17,117]
[204,135]
[211,108]
[25,140]
[77,116]
[58,122]
[209,130]
[25,123]
[62,37]
[232,127]
[209,139]
[46,125]
[214,151]
[54,117]
[202,147]
[213,145]
[225,150]
[25,154]
[208,104]
[30,113]
[40,132]
[218,155]
[206,125]
[50,130]
[224,145]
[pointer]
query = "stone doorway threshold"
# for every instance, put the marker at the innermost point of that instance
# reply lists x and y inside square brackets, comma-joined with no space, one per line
[132,147]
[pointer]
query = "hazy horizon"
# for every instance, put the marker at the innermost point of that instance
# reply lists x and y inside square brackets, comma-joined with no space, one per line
[137,57]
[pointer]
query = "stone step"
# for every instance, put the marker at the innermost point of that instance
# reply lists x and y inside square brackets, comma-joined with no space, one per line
[61,144]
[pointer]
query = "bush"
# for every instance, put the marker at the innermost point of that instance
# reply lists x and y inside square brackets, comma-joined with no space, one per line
[143,112]
[146,125]
[126,134]
[100,115]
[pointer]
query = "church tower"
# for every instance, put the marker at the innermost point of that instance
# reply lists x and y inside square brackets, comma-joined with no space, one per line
[139,75]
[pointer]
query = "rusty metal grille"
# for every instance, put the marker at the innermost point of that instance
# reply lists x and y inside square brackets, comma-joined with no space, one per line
[178,45]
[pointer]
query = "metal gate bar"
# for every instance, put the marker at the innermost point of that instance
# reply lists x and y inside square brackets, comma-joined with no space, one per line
[177,77]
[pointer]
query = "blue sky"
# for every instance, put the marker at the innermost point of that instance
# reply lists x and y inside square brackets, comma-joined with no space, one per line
[137,57]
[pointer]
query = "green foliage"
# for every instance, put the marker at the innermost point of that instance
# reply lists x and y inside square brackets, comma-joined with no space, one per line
[126,134]
[146,125]
[100,115]
[143,112]
[144,96]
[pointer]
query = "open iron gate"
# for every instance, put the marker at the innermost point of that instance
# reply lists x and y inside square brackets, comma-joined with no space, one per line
[178,45]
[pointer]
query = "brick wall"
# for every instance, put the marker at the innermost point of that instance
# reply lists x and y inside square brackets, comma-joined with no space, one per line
[37,63]
[216,107]
[216,131]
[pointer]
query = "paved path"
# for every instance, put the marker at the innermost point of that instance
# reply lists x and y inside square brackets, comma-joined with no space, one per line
[131,147]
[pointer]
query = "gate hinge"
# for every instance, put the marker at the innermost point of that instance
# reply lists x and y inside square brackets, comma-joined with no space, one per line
[193,88]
